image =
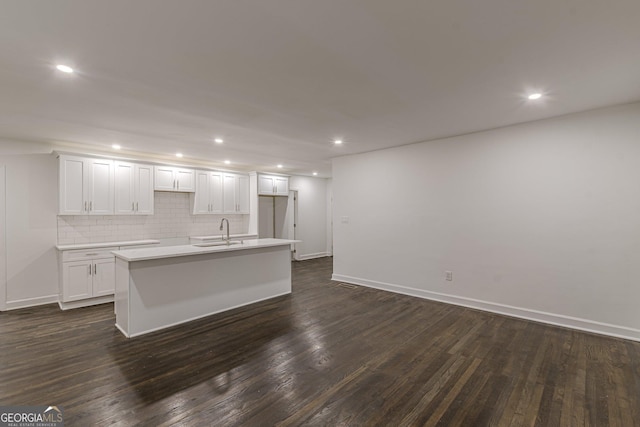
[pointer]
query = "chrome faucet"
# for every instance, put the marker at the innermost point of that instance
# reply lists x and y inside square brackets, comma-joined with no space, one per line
[221,225]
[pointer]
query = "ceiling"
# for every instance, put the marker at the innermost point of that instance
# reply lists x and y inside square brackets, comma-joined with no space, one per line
[280,80]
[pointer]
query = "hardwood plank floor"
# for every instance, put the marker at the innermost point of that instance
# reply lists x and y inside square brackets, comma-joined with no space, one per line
[326,355]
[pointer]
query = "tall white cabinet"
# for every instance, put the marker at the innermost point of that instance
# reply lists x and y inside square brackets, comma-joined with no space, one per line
[208,195]
[235,194]
[133,189]
[85,186]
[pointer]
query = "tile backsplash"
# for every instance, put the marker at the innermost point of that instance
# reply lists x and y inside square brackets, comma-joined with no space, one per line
[172,218]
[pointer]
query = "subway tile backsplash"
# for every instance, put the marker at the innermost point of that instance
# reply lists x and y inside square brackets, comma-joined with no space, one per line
[172,218]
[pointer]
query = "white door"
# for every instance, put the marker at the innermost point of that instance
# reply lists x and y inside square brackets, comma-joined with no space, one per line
[202,204]
[124,188]
[164,178]
[215,195]
[229,204]
[265,185]
[100,187]
[185,180]
[76,279]
[104,277]
[72,195]
[143,189]
[281,185]
[243,194]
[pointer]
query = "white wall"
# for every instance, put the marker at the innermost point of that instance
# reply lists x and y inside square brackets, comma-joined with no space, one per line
[31,203]
[312,216]
[3,253]
[540,220]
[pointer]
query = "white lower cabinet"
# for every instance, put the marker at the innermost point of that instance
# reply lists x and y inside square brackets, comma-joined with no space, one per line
[87,277]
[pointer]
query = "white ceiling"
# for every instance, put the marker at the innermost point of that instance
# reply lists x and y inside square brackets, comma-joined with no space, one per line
[279,80]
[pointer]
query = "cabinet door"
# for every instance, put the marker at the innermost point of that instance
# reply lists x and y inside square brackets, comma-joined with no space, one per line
[215,195]
[76,280]
[72,190]
[104,277]
[124,188]
[143,186]
[164,178]
[202,203]
[185,180]
[265,185]
[229,204]
[100,185]
[281,185]
[243,194]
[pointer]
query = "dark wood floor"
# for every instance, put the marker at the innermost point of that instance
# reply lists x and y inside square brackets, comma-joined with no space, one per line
[326,355]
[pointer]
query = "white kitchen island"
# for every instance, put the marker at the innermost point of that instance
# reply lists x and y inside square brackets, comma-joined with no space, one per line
[164,286]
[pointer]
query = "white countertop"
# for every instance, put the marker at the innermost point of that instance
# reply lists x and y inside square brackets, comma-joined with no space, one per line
[219,236]
[106,244]
[142,254]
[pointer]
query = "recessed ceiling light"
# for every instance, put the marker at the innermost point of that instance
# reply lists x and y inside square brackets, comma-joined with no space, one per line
[178,154]
[279,166]
[337,141]
[64,68]
[116,146]
[315,174]
[227,162]
[219,140]
[535,96]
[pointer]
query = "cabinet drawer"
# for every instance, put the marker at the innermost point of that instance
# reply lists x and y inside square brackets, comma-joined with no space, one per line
[85,254]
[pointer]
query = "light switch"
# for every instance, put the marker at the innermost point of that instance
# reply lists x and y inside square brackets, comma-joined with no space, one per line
[344,220]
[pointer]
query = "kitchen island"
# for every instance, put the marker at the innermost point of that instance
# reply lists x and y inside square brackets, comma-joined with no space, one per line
[161,287]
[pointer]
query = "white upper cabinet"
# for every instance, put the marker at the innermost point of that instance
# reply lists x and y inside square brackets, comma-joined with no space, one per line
[235,194]
[86,186]
[169,178]
[133,189]
[208,195]
[273,185]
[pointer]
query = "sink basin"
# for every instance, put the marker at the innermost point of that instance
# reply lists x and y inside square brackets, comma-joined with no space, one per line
[231,242]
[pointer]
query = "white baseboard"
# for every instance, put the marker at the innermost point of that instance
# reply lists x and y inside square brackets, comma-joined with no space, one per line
[507,310]
[85,302]
[30,302]
[312,256]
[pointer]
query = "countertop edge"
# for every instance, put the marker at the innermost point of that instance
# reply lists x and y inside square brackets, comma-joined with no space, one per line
[106,244]
[200,251]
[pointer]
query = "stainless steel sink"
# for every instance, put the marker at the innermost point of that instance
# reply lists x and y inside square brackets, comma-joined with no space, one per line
[219,243]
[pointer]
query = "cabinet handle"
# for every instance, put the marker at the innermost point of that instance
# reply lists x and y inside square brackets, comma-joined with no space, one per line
[85,206]
[137,207]
[91,254]
[90,206]
[95,269]
[174,183]
[133,207]
[178,181]
[89,269]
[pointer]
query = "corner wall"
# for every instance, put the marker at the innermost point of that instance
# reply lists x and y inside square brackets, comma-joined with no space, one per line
[31,204]
[539,220]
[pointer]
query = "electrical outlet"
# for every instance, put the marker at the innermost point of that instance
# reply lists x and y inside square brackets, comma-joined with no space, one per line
[448,276]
